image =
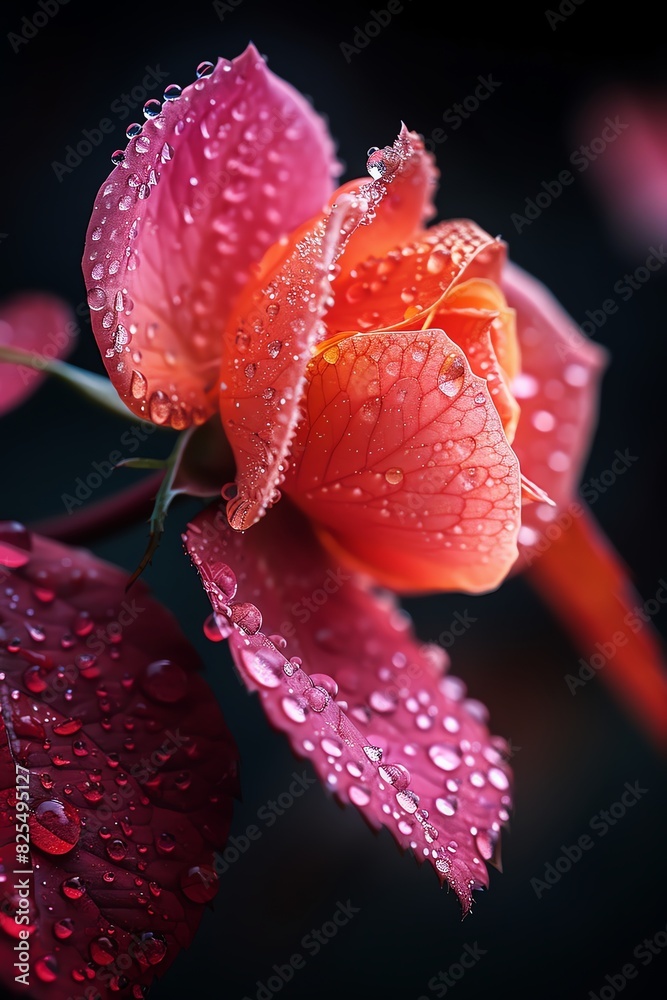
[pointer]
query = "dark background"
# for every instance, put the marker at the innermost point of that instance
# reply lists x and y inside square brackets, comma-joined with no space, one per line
[573,754]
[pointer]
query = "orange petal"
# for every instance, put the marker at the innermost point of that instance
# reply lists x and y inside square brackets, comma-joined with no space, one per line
[403,464]
[472,330]
[483,294]
[405,177]
[407,281]
[278,320]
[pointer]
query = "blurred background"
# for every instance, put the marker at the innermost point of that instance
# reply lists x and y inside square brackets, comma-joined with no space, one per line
[556,77]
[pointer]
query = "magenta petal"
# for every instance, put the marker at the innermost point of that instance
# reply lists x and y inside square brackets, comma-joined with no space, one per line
[384,725]
[130,774]
[38,323]
[237,161]
[557,391]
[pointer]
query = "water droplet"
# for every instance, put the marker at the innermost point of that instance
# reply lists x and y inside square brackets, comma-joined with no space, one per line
[407,800]
[132,130]
[63,928]
[451,375]
[97,298]
[55,826]
[138,385]
[199,883]
[165,843]
[46,968]
[394,476]
[117,849]
[373,753]
[117,157]
[498,779]
[152,108]
[382,702]
[172,92]
[446,806]
[151,948]
[247,617]
[159,407]
[445,757]
[359,796]
[436,261]
[73,888]
[375,164]
[332,354]
[274,348]
[317,698]
[103,950]
[165,681]
[204,69]
[395,774]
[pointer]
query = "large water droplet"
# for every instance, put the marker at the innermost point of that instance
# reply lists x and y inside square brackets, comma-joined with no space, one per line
[165,681]
[103,950]
[247,617]
[199,883]
[451,375]
[152,108]
[55,826]
[445,757]
[46,968]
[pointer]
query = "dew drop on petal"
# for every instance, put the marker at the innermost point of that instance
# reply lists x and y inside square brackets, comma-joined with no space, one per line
[451,375]
[165,681]
[445,757]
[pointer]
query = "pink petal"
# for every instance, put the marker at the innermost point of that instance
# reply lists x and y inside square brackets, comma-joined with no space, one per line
[132,774]
[557,390]
[383,724]
[38,323]
[279,319]
[236,162]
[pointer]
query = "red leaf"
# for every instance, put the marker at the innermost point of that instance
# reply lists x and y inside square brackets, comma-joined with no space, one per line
[130,777]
